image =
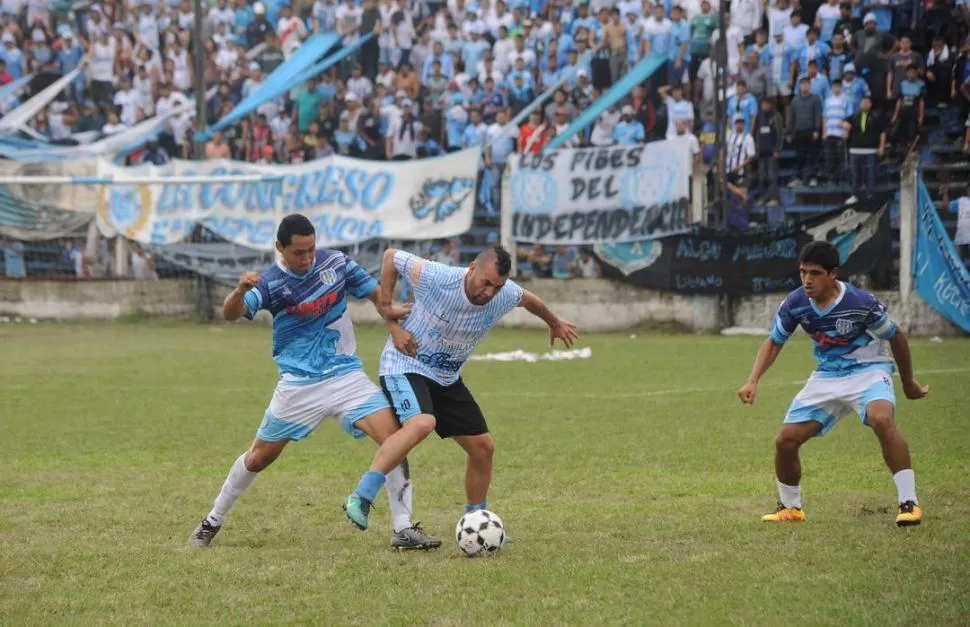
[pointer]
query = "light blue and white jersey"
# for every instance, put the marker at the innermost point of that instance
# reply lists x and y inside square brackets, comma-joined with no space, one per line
[446,326]
[850,336]
[313,338]
[834,112]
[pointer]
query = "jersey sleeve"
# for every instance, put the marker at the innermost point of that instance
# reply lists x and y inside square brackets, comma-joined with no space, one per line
[257,298]
[419,273]
[784,324]
[514,292]
[878,322]
[358,282]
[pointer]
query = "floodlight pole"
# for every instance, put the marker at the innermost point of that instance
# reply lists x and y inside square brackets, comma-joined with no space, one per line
[203,301]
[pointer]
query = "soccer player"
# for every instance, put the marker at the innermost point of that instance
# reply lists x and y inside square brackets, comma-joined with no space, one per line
[423,358]
[851,330]
[320,374]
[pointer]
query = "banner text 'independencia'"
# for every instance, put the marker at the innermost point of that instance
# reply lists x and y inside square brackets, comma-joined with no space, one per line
[600,226]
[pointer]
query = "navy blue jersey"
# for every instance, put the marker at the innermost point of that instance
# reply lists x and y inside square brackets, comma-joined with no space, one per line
[850,335]
[313,338]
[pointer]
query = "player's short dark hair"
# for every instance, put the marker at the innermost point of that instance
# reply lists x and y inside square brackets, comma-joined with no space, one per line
[501,258]
[820,254]
[293,224]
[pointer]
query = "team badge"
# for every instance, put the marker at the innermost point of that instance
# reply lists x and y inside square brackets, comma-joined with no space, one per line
[328,277]
[843,326]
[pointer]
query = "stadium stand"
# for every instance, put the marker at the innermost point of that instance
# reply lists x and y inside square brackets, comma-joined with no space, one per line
[447,60]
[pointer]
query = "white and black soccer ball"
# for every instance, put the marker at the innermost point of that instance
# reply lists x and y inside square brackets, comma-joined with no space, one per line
[480,533]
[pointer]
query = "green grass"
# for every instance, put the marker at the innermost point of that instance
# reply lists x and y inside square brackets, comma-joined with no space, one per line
[632,484]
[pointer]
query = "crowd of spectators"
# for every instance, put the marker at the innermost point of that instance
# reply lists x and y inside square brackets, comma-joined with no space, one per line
[440,76]
[843,84]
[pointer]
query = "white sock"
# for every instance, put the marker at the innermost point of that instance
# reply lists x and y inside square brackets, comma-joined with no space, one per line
[906,485]
[236,483]
[790,495]
[400,493]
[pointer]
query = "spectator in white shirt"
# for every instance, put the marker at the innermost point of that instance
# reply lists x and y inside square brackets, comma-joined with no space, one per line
[402,135]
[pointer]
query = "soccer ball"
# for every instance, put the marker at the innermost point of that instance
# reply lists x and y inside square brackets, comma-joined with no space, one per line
[480,533]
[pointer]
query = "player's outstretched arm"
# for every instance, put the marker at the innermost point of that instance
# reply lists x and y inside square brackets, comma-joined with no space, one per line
[558,328]
[763,360]
[234,306]
[388,278]
[904,360]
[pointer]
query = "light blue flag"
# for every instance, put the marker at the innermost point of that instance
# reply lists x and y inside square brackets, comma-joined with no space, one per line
[281,80]
[940,276]
[332,60]
[639,73]
[12,88]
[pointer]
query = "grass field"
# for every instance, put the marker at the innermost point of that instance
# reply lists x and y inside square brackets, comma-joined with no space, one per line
[632,484]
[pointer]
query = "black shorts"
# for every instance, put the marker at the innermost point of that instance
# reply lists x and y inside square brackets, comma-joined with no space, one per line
[453,406]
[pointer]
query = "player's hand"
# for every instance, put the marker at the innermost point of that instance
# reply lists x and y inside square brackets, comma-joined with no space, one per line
[914,391]
[748,392]
[403,341]
[563,330]
[397,312]
[248,281]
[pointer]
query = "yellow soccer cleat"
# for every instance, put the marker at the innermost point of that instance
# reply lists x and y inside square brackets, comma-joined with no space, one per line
[909,515]
[785,514]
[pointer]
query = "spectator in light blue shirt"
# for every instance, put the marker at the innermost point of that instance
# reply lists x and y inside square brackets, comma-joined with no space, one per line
[818,84]
[628,131]
[473,51]
[475,132]
[438,54]
[796,33]
[679,56]
[813,50]
[854,89]
[742,104]
[551,75]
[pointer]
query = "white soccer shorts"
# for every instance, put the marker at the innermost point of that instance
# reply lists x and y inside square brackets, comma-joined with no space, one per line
[298,408]
[827,400]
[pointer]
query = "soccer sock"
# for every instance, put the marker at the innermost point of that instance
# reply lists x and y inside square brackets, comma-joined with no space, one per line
[370,484]
[906,485]
[236,483]
[400,492]
[477,506]
[790,495]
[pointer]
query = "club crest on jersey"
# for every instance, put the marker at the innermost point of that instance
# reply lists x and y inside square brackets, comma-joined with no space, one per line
[844,326]
[328,277]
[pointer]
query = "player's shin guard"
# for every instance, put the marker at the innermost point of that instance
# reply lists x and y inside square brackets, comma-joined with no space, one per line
[400,493]
[236,483]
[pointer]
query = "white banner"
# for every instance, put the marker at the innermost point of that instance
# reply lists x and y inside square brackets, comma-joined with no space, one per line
[599,195]
[348,200]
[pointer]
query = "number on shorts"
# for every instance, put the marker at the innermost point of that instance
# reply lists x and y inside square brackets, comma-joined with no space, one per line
[406,404]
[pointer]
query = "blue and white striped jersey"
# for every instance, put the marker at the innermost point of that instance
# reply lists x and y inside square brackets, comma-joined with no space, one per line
[313,338]
[850,335]
[445,325]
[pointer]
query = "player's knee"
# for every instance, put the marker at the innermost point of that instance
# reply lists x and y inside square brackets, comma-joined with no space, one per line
[258,459]
[880,419]
[787,441]
[421,425]
[482,447]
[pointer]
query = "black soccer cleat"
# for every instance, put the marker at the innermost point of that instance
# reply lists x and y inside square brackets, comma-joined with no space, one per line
[203,534]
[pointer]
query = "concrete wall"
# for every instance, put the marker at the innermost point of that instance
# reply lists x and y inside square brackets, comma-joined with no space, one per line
[95,299]
[594,305]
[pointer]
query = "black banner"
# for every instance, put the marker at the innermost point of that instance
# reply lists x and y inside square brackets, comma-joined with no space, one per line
[757,261]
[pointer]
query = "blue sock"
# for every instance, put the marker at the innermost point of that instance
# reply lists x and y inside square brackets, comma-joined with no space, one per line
[370,484]
[476,506]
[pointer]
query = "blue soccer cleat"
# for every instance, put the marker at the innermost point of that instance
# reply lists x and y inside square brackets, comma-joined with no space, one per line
[357,510]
